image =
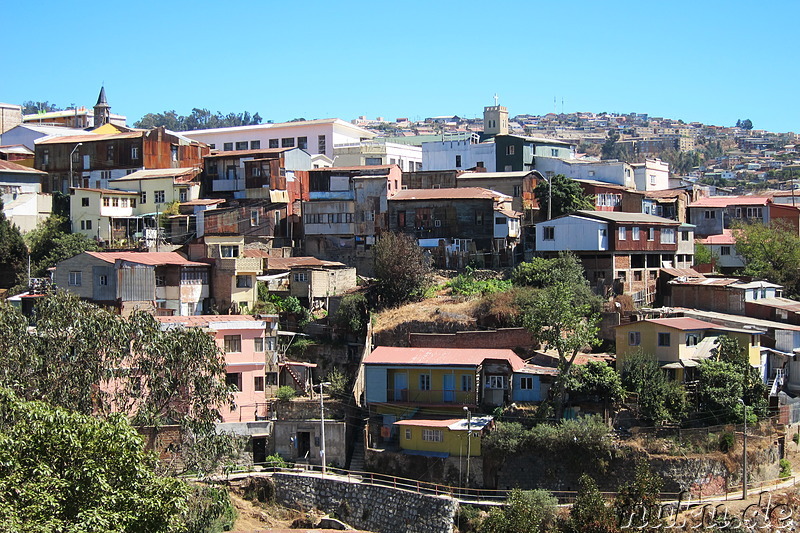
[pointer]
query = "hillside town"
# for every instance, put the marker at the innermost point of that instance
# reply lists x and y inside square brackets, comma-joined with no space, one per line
[463,306]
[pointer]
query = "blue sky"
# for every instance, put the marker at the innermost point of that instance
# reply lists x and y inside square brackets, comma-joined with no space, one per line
[707,61]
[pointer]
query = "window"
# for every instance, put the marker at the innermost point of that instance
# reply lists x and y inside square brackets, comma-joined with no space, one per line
[321,144]
[692,339]
[496,382]
[437,223]
[373,161]
[124,202]
[301,277]
[458,161]
[84,202]
[478,219]
[271,378]
[510,149]
[106,202]
[684,235]
[194,276]
[526,383]
[134,152]
[549,233]
[432,435]
[258,383]
[45,157]
[212,146]
[302,143]
[499,221]
[754,212]
[710,214]
[634,338]
[663,339]
[258,344]
[255,145]
[241,145]
[234,379]
[254,219]
[133,202]
[635,233]
[622,233]
[229,251]
[227,147]
[651,234]
[517,190]
[725,250]
[273,143]
[652,179]
[637,275]
[75,278]
[287,142]
[88,224]
[244,282]
[424,382]
[161,280]
[115,202]
[480,164]
[103,280]
[553,152]
[466,382]
[105,174]
[159,197]
[183,195]
[110,152]
[233,343]
[408,434]
[174,152]
[143,198]
[667,235]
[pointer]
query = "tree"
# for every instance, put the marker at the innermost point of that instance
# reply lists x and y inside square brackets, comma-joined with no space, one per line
[589,513]
[597,380]
[702,254]
[530,510]
[659,400]
[562,322]
[64,471]
[30,107]
[353,314]
[52,242]
[567,194]
[197,119]
[401,270]
[611,149]
[770,252]
[13,253]
[638,502]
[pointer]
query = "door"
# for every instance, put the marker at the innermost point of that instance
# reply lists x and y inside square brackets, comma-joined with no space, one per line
[449,388]
[303,444]
[400,387]
[259,450]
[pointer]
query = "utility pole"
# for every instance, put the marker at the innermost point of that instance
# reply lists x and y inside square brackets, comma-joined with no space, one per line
[322,427]
[469,439]
[744,452]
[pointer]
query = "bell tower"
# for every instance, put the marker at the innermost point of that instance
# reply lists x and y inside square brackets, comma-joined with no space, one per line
[495,119]
[102,111]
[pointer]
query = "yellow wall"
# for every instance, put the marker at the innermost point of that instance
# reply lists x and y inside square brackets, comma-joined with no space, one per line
[436,392]
[453,442]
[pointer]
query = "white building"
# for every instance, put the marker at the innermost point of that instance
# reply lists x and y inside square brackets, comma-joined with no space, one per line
[652,175]
[610,171]
[26,134]
[378,152]
[313,136]
[459,155]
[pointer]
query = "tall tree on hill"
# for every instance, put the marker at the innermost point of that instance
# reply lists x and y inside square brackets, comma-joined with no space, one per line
[567,195]
[401,269]
[770,252]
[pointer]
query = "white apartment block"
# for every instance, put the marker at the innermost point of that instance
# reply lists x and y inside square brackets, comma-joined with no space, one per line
[376,152]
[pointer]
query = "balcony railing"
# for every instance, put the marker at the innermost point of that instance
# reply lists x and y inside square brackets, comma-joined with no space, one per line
[227,185]
[456,397]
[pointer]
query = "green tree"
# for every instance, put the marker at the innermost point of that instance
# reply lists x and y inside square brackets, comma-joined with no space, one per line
[702,254]
[63,471]
[659,400]
[530,510]
[13,253]
[51,242]
[589,513]
[565,323]
[401,271]
[770,252]
[567,194]
[637,501]
[30,107]
[353,314]
[597,380]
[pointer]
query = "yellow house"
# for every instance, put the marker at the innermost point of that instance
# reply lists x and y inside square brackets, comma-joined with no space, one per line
[680,343]
[107,215]
[235,287]
[160,187]
[443,438]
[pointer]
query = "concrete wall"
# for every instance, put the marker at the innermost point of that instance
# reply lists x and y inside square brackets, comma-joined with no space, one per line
[368,507]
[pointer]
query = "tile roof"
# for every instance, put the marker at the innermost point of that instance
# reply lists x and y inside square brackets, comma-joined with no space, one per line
[725,201]
[461,193]
[15,168]
[388,355]
[146,258]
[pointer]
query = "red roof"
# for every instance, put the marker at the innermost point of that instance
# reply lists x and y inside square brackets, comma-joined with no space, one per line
[146,258]
[725,201]
[429,423]
[287,263]
[686,324]
[91,137]
[725,238]
[461,193]
[236,153]
[8,166]
[204,320]
[389,355]
[362,167]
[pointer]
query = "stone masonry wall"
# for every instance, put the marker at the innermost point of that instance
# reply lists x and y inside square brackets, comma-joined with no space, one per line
[379,509]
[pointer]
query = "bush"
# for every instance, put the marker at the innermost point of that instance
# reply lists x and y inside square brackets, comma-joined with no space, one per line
[209,510]
[796,438]
[285,393]
[726,441]
[467,285]
[529,510]
[786,468]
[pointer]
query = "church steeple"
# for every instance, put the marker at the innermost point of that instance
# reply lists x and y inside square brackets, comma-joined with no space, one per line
[102,111]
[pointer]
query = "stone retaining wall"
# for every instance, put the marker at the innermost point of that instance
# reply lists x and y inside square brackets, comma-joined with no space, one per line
[380,509]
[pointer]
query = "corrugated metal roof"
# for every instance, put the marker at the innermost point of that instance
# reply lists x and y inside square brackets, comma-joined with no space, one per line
[461,193]
[388,355]
[521,174]
[92,137]
[204,321]
[683,272]
[725,238]
[11,167]
[620,216]
[105,191]
[352,168]
[217,154]
[159,173]
[779,303]
[725,201]
[146,258]
[287,263]
[204,201]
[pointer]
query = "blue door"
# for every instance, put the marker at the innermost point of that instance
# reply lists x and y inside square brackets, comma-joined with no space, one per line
[449,388]
[400,387]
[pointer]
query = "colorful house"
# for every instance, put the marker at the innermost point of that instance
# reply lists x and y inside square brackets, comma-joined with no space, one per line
[679,344]
[443,438]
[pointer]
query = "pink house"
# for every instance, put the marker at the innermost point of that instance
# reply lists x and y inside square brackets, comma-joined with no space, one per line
[249,345]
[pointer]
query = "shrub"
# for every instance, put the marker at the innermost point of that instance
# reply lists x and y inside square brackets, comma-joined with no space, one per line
[285,393]
[726,441]
[786,468]
[796,438]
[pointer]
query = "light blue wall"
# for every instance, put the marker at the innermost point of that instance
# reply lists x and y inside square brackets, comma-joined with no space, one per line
[375,382]
[533,395]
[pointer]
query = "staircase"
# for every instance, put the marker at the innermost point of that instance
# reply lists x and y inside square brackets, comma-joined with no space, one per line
[776,382]
[357,456]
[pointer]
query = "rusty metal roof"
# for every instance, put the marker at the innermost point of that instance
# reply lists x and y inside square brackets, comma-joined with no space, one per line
[147,258]
[14,168]
[217,154]
[72,139]
[725,201]
[389,355]
[179,174]
[288,263]
[461,193]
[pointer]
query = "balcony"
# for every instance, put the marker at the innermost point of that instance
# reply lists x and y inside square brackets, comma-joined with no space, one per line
[332,195]
[241,264]
[227,185]
[455,397]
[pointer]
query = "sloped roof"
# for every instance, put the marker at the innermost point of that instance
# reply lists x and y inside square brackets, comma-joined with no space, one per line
[389,355]
[624,217]
[726,237]
[287,263]
[146,258]
[180,174]
[725,201]
[204,321]
[11,167]
[461,193]
[221,154]
[497,175]
[91,137]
